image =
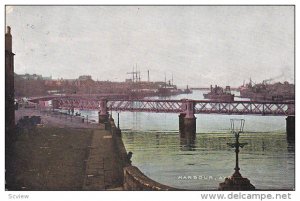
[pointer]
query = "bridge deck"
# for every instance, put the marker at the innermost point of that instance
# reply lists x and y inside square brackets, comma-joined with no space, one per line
[284,108]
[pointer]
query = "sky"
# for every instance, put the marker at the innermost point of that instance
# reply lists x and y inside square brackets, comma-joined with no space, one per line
[198,45]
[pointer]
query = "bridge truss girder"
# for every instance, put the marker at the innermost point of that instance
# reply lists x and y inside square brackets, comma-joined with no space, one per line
[180,106]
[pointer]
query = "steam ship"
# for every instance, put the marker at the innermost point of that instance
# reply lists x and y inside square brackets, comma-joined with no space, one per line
[268,92]
[218,93]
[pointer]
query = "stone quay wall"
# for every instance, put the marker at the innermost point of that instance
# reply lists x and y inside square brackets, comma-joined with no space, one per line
[134,179]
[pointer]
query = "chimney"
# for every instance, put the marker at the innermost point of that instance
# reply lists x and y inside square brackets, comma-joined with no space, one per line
[8,39]
[148,76]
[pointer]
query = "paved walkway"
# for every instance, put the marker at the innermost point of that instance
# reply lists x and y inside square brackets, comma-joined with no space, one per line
[100,168]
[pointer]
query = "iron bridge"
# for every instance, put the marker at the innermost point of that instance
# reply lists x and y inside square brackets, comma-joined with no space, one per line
[274,108]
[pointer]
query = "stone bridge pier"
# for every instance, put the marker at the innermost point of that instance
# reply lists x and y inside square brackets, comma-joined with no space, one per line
[103,113]
[187,121]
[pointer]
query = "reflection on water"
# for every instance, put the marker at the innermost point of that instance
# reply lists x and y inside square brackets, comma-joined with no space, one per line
[187,144]
[268,159]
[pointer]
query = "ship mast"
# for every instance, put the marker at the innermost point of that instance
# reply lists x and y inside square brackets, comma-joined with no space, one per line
[165,80]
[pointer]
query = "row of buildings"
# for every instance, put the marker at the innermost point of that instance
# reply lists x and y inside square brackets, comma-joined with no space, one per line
[36,85]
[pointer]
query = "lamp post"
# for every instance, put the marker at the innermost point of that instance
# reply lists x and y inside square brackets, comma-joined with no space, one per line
[237,145]
[118,120]
[236,181]
[118,130]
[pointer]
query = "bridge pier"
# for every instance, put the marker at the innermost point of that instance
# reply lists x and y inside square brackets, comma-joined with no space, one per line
[103,114]
[187,121]
[190,128]
[181,125]
[290,127]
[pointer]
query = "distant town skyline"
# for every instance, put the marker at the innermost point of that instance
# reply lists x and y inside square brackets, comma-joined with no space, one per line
[198,45]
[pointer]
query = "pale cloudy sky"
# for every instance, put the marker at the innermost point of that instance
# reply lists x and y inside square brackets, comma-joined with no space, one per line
[200,45]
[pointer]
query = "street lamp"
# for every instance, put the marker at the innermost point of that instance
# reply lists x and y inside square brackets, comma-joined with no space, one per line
[236,181]
[237,127]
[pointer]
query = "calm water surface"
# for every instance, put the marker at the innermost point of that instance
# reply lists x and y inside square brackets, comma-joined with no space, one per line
[267,160]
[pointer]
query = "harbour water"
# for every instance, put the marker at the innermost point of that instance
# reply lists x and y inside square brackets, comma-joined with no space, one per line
[268,160]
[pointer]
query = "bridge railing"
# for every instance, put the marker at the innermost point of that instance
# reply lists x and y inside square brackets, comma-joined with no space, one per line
[245,107]
[146,106]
